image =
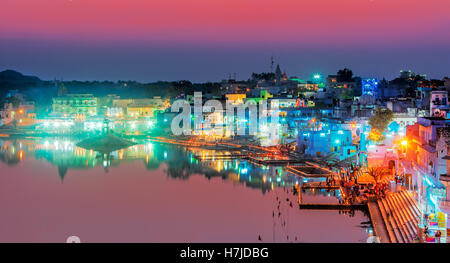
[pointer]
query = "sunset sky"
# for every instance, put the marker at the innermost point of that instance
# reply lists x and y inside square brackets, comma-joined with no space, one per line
[203,40]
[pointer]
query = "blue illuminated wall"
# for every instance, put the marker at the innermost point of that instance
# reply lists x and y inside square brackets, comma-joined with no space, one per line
[370,86]
[326,142]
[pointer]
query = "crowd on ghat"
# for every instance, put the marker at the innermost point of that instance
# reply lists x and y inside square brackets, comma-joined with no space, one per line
[354,191]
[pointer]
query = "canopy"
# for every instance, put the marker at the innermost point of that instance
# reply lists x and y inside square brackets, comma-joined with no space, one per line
[365,179]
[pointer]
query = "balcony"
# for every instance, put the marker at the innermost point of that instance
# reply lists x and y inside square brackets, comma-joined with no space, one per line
[445,178]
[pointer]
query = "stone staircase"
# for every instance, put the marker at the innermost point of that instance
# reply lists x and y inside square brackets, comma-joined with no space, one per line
[401,215]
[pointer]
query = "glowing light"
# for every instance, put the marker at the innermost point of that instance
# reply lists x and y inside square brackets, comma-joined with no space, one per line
[434,200]
[428,181]
[56,144]
[369,86]
[404,142]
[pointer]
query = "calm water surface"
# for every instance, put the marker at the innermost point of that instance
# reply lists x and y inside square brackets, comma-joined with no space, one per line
[50,189]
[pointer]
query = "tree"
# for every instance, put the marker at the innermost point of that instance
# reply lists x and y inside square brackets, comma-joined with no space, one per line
[347,94]
[381,118]
[378,173]
[375,135]
[263,76]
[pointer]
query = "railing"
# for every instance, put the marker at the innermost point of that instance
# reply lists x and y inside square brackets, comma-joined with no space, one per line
[444,177]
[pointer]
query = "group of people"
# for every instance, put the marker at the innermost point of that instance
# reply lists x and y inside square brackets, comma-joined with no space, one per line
[427,233]
[330,181]
[380,189]
[355,190]
[437,234]
[400,179]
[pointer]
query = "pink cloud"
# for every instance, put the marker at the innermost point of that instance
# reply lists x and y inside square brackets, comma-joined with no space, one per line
[232,21]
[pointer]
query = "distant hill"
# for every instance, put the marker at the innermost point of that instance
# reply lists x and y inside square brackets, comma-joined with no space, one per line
[43,90]
[10,79]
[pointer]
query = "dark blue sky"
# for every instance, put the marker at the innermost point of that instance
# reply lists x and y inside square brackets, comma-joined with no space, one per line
[212,62]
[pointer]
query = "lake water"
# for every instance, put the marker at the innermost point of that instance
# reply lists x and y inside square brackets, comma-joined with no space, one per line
[50,190]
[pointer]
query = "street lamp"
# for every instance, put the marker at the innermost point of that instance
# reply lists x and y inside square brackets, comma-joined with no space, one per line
[313,120]
[404,143]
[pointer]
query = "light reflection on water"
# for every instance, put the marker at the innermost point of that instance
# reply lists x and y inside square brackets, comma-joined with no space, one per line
[203,201]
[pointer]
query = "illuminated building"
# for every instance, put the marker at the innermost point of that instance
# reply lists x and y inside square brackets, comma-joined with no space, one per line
[405,74]
[308,87]
[439,106]
[114,112]
[370,86]
[403,119]
[235,98]
[7,114]
[72,104]
[326,142]
[381,156]
[136,108]
[427,162]
[140,110]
